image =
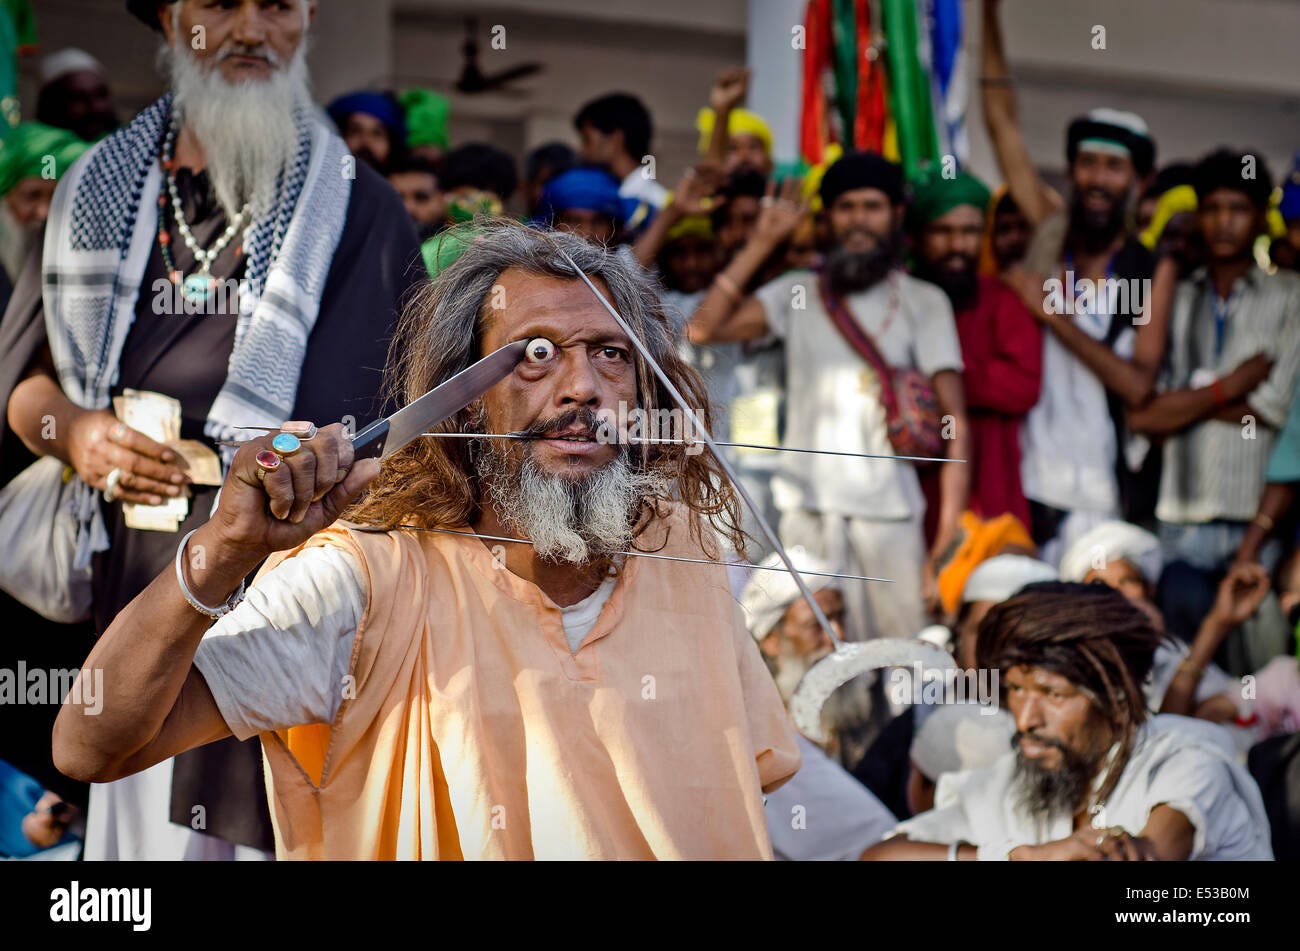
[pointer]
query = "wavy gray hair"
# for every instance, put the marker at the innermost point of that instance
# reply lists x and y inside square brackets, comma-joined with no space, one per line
[441,332]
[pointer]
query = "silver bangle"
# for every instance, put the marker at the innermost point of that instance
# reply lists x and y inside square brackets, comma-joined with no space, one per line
[214,613]
[952,851]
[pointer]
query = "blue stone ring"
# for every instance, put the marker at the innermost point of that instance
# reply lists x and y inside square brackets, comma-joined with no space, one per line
[286,444]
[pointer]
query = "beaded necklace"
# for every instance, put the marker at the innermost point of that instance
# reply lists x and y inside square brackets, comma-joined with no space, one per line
[198,287]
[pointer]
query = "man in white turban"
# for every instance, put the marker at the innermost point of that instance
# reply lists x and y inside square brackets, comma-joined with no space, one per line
[1128,559]
[823,812]
[74,95]
[991,583]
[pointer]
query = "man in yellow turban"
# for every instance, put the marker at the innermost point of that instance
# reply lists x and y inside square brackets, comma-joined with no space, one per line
[744,139]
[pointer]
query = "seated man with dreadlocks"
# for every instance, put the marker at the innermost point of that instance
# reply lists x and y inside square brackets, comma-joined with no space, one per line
[423,692]
[1089,777]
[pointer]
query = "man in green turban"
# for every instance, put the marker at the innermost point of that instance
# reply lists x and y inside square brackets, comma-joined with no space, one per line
[32,160]
[1001,343]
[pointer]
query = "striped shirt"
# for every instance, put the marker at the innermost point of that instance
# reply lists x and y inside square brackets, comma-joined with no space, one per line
[1215,470]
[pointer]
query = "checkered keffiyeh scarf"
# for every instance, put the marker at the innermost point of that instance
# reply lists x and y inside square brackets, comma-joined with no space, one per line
[102,225]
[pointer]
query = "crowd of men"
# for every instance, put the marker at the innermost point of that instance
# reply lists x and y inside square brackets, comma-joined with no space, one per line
[1096,393]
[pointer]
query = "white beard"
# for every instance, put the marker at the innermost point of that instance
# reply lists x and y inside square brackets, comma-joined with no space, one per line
[569,521]
[246,129]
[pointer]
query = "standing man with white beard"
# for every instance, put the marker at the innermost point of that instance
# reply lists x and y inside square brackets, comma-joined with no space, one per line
[228,197]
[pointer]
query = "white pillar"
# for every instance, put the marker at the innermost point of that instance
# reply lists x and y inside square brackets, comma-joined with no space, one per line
[775,86]
[351,46]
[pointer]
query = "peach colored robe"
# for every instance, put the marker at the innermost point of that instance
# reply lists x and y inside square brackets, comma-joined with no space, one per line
[473,732]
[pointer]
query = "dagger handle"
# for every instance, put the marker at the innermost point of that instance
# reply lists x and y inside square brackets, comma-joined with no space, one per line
[370,442]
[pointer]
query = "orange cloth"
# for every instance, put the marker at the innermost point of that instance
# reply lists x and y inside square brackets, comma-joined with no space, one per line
[473,732]
[980,541]
[988,264]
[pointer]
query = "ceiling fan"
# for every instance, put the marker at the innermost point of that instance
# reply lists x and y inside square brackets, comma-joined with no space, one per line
[473,79]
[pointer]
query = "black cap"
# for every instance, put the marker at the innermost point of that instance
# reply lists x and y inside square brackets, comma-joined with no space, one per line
[146,11]
[862,170]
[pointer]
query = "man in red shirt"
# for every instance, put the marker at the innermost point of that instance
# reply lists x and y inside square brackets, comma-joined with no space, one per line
[1001,343]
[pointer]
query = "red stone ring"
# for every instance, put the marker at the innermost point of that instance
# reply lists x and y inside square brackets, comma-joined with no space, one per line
[267,461]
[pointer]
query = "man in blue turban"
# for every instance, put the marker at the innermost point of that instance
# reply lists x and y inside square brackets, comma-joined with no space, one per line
[585,202]
[372,124]
[1286,249]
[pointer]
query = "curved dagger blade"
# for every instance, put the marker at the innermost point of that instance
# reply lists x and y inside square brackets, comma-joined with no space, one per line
[848,661]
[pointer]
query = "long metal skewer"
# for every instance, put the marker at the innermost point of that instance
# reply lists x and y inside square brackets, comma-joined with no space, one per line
[716,442]
[667,442]
[648,554]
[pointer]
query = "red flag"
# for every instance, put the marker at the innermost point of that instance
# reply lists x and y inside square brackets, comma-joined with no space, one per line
[869,119]
[814,131]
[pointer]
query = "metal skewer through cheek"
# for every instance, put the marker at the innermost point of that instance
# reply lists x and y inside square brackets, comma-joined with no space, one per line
[822,620]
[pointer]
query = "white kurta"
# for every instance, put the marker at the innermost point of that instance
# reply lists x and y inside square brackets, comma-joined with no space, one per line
[1176,761]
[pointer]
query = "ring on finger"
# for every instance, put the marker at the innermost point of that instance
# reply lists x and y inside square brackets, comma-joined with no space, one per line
[304,432]
[118,432]
[267,461]
[111,484]
[286,444]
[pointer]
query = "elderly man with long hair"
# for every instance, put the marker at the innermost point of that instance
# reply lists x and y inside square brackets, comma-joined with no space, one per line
[1089,777]
[423,690]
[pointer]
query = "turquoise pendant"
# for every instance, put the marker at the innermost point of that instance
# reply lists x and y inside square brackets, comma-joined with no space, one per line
[198,288]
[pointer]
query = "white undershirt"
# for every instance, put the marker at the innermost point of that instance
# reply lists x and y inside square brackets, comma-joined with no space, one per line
[580,618]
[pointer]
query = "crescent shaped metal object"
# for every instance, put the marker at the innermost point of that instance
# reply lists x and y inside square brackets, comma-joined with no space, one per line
[847,661]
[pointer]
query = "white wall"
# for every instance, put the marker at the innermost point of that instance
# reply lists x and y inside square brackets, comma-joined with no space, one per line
[1202,73]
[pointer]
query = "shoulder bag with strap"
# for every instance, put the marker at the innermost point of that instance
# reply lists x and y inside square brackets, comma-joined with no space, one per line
[912,416]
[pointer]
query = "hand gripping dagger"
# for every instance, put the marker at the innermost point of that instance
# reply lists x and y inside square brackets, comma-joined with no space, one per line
[848,659]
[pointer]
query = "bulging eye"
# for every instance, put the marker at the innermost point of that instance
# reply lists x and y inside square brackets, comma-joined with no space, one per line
[539,350]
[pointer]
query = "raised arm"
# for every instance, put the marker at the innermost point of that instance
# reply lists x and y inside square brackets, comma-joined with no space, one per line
[726,314]
[998,97]
[728,92]
[154,703]
[694,195]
